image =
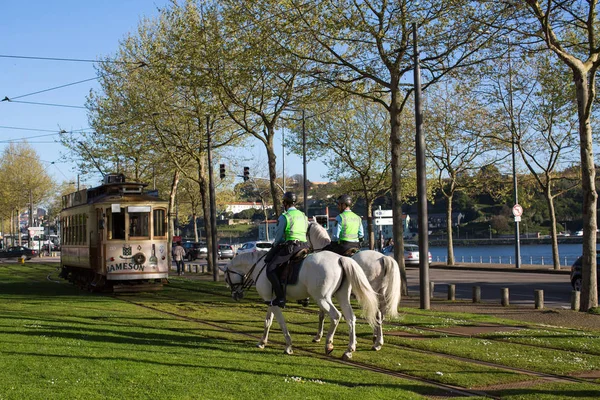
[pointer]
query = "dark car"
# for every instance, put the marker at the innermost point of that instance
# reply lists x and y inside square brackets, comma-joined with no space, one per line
[195,250]
[225,251]
[18,251]
[576,272]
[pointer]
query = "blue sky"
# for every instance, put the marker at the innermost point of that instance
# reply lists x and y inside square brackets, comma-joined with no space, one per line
[74,30]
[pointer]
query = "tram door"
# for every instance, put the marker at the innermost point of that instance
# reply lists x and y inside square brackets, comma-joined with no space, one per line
[99,241]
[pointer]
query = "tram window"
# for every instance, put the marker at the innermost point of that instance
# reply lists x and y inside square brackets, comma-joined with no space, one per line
[160,223]
[139,224]
[116,224]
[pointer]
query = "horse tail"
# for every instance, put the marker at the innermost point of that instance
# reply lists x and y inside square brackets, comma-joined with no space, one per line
[366,296]
[390,286]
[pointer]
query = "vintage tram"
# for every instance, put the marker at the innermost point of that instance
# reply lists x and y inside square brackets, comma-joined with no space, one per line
[114,237]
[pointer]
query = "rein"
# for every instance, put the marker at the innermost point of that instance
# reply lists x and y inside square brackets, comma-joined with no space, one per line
[247,280]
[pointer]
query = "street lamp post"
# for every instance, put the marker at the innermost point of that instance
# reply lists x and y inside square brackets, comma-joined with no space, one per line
[421,182]
[490,227]
[514,164]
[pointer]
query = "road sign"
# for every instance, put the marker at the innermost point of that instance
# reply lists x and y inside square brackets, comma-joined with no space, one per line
[384,221]
[383,213]
[517,210]
[517,219]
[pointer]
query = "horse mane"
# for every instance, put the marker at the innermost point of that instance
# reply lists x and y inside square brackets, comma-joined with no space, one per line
[319,237]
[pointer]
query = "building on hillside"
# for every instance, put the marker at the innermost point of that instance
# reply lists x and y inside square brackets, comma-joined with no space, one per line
[245,205]
[269,226]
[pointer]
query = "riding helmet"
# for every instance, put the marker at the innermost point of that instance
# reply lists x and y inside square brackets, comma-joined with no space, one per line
[345,199]
[289,198]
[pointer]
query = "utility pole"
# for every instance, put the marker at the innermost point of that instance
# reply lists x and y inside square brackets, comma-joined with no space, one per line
[304,165]
[421,182]
[213,206]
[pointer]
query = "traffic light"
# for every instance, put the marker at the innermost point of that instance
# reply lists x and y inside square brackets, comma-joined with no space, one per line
[322,220]
[246,173]
[222,171]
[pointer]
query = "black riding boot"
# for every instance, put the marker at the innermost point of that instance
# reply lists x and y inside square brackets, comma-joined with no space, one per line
[279,296]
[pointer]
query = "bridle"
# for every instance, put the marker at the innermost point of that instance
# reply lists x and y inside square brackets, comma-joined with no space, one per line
[237,289]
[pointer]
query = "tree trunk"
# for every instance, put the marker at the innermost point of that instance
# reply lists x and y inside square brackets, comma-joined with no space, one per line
[370,233]
[272,160]
[550,202]
[172,194]
[203,187]
[195,225]
[589,290]
[397,227]
[449,225]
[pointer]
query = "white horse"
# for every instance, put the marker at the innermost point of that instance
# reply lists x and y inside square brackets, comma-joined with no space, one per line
[382,272]
[322,276]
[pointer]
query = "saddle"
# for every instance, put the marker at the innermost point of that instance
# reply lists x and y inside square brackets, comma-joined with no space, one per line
[350,252]
[289,271]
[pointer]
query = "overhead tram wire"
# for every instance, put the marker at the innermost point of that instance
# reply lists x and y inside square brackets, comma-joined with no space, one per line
[66,59]
[46,104]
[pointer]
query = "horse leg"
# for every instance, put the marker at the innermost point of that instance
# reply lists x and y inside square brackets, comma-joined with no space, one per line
[327,306]
[351,320]
[378,332]
[319,334]
[265,336]
[286,334]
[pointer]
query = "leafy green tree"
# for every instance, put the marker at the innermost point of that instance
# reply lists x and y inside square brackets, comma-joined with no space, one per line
[569,29]
[459,143]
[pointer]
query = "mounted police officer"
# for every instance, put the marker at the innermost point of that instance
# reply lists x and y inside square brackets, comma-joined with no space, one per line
[348,230]
[290,238]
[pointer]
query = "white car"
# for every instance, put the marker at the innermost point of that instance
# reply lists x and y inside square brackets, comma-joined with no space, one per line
[411,253]
[254,246]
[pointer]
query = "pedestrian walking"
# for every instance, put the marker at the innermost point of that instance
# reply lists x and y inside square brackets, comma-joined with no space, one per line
[179,254]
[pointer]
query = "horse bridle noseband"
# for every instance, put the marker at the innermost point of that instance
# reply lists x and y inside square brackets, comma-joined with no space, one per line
[237,289]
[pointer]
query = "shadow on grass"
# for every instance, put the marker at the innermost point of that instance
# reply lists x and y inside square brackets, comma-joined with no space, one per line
[405,385]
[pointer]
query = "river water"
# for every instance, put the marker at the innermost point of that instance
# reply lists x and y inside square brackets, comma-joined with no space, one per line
[540,254]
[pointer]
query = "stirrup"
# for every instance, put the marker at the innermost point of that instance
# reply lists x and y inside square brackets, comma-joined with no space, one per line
[276,302]
[304,302]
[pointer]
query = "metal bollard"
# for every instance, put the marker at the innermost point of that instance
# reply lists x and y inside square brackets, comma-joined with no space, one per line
[451,292]
[539,299]
[476,294]
[575,300]
[505,296]
[431,288]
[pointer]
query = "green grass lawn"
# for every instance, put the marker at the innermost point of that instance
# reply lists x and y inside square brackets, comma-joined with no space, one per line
[57,342]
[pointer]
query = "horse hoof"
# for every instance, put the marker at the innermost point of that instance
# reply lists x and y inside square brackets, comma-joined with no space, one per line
[328,349]
[316,339]
[288,352]
[376,347]
[260,345]
[347,356]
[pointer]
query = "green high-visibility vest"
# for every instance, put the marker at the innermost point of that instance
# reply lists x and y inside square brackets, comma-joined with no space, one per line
[350,225]
[296,225]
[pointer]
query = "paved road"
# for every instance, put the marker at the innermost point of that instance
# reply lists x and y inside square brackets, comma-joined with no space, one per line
[557,288]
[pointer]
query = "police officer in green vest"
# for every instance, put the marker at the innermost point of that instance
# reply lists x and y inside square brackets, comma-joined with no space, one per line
[290,238]
[348,230]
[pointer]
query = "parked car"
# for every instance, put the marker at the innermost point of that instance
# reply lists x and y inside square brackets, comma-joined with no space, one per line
[195,250]
[225,251]
[576,272]
[18,251]
[254,246]
[411,253]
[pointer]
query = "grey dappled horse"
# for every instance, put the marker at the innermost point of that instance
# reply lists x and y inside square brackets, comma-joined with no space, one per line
[382,272]
[321,277]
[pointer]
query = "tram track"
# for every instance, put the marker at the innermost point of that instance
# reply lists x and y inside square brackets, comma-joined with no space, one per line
[531,373]
[447,389]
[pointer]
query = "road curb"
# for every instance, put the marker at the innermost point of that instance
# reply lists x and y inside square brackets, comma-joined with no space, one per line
[503,268]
